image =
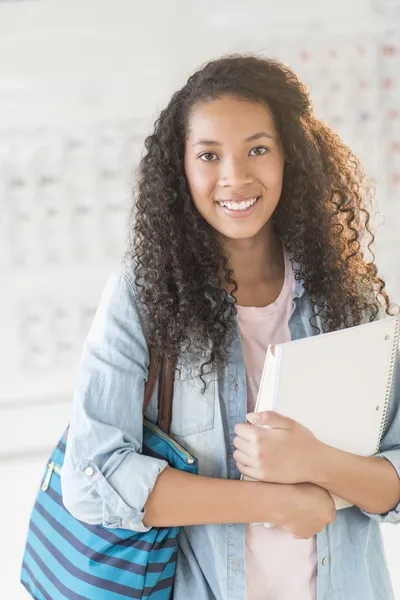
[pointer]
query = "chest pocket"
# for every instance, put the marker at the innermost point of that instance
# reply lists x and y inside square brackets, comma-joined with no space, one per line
[193,410]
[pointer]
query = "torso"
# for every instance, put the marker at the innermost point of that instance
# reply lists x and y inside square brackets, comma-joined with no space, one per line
[269,552]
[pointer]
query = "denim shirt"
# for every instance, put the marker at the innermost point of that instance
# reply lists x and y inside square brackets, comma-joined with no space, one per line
[106,435]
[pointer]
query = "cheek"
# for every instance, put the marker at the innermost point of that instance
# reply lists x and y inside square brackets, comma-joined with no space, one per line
[198,182]
[201,183]
[273,174]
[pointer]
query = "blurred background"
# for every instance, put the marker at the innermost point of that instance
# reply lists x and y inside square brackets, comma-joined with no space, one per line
[81,82]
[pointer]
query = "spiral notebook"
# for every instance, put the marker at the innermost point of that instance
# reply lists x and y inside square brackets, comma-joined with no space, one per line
[337,384]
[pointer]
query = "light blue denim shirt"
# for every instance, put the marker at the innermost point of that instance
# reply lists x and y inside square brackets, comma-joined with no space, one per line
[106,434]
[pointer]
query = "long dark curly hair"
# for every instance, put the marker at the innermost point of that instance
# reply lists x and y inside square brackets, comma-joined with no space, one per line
[322,218]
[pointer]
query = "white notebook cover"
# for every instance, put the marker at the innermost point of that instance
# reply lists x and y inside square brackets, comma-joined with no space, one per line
[336,384]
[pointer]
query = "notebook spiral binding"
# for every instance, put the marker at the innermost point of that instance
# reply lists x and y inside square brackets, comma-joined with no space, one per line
[389,388]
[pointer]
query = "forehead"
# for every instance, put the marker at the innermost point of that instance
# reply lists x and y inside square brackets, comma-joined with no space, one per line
[230,116]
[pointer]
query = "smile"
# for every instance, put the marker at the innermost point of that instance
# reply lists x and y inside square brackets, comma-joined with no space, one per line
[238,205]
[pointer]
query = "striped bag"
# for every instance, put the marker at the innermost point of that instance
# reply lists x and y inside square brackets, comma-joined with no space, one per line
[66,559]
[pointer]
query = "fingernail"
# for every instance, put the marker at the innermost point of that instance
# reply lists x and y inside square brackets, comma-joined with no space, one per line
[252,417]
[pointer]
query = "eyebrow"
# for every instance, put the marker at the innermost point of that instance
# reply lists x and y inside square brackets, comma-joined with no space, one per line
[251,138]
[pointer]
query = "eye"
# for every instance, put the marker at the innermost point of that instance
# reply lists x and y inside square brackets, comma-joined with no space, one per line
[259,151]
[208,156]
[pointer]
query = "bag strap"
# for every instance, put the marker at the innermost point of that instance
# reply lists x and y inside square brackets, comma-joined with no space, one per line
[166,374]
[165,395]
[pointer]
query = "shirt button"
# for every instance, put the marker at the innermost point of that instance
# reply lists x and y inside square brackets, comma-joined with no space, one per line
[89,471]
[324,562]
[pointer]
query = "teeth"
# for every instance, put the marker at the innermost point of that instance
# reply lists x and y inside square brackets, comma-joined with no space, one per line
[239,205]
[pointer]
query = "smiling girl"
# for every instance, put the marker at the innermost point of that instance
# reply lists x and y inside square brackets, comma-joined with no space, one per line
[248,222]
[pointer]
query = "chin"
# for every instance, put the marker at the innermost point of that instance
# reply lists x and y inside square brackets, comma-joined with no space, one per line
[241,233]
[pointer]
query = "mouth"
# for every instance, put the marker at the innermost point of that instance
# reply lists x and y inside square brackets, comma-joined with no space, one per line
[239,207]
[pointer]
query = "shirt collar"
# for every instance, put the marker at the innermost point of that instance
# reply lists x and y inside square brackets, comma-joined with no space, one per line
[299,289]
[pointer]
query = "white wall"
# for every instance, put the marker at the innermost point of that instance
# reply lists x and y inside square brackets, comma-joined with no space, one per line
[80,82]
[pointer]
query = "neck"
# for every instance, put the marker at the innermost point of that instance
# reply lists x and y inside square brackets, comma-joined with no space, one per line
[257,260]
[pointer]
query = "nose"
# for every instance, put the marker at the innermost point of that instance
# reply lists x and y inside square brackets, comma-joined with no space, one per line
[235,173]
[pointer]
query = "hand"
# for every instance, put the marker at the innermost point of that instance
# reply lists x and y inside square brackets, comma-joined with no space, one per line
[283,452]
[309,509]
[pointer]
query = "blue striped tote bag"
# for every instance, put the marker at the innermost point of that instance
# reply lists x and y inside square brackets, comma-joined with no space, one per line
[66,559]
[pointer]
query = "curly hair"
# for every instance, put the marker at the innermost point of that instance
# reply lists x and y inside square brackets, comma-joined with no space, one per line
[322,218]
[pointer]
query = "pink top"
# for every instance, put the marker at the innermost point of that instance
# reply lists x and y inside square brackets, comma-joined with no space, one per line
[278,567]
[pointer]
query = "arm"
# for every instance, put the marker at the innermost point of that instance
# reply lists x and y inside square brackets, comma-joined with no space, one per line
[290,453]
[105,478]
[371,483]
[180,498]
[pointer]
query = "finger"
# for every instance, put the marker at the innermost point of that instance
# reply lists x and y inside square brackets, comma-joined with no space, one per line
[246,432]
[244,445]
[242,458]
[246,471]
[272,419]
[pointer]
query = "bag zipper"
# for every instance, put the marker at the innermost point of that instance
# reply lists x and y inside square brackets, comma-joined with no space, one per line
[190,459]
[52,467]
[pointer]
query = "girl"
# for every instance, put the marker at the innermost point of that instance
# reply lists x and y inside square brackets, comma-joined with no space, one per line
[248,223]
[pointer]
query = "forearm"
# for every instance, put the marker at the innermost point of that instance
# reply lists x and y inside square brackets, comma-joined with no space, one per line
[179,498]
[370,483]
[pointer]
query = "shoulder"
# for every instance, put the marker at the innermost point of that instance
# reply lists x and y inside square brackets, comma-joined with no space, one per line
[118,306]
[120,287]
[121,281]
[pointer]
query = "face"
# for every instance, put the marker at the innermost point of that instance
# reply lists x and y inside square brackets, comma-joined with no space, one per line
[234,165]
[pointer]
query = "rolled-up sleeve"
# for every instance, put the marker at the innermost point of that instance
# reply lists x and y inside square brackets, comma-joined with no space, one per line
[390,445]
[105,478]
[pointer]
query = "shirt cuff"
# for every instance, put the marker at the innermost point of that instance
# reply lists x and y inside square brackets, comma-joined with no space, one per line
[136,475]
[393,516]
